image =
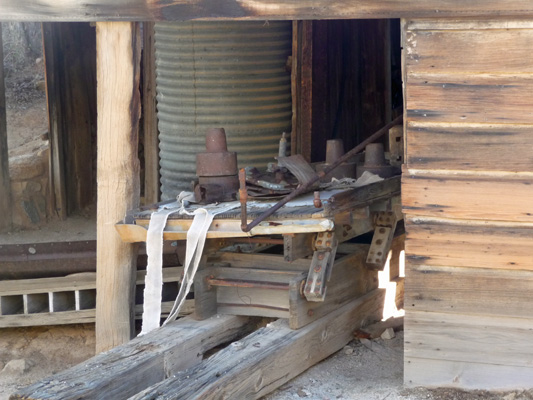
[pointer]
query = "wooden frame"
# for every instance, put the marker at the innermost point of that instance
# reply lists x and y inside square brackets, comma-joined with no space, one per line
[177,10]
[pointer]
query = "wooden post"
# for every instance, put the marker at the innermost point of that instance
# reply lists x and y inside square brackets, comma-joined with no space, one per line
[5,183]
[118,64]
[151,139]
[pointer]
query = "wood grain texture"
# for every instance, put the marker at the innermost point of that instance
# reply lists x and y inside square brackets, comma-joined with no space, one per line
[271,356]
[465,375]
[504,147]
[118,60]
[480,291]
[175,10]
[5,182]
[469,338]
[125,370]
[149,114]
[470,98]
[70,55]
[469,51]
[460,244]
[474,197]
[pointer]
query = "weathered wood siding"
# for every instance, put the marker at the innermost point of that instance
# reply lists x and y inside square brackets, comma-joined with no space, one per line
[468,198]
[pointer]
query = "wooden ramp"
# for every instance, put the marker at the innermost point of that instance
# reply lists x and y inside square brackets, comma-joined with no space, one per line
[246,369]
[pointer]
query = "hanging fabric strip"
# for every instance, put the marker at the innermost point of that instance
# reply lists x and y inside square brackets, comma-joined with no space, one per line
[196,237]
[154,270]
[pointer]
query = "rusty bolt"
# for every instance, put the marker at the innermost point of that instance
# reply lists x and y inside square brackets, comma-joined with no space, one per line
[330,234]
[328,243]
[318,268]
[319,242]
[321,256]
[310,313]
[316,201]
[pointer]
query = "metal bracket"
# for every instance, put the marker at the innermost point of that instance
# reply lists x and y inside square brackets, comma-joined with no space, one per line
[385,222]
[321,265]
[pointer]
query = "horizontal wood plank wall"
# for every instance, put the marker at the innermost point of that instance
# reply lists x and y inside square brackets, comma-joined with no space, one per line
[468,198]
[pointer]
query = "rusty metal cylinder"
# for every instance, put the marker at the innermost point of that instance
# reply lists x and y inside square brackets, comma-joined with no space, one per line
[231,74]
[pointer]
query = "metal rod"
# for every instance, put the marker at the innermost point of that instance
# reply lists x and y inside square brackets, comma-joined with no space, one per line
[305,187]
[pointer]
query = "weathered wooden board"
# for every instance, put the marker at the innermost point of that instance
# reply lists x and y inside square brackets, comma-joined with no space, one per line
[477,197]
[266,359]
[118,63]
[175,10]
[465,375]
[470,98]
[438,242]
[469,338]
[472,51]
[468,147]
[5,182]
[490,292]
[260,261]
[127,369]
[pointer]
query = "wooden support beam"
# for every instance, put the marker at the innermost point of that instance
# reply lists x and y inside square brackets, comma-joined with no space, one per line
[118,65]
[5,182]
[269,357]
[179,10]
[146,360]
[151,138]
[70,57]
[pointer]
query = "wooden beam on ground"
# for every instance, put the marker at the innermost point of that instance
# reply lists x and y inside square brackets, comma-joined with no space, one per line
[118,65]
[269,357]
[176,10]
[125,370]
[151,138]
[5,182]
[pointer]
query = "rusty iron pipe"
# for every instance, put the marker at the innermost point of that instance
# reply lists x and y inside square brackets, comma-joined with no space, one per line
[309,184]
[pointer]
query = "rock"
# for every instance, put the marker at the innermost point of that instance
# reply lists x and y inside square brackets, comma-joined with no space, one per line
[16,367]
[367,343]
[388,334]
[348,350]
[510,396]
[25,167]
[303,393]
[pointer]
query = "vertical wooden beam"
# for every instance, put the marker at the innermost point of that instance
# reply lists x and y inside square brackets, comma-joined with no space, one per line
[118,64]
[151,139]
[70,57]
[5,184]
[302,87]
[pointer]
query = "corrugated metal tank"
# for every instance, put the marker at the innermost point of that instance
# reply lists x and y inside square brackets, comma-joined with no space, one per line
[220,74]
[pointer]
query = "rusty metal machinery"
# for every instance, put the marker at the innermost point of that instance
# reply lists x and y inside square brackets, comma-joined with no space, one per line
[334,151]
[375,162]
[216,169]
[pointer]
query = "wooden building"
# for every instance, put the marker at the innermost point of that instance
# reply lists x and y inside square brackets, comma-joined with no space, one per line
[467,181]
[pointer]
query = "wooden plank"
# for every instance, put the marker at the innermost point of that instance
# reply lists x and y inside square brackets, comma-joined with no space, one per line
[260,260]
[118,58]
[176,10]
[149,114]
[144,361]
[465,375]
[302,88]
[468,338]
[476,197]
[472,51]
[349,280]
[451,24]
[70,56]
[298,245]
[470,147]
[470,98]
[448,243]
[266,359]
[5,182]
[481,291]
